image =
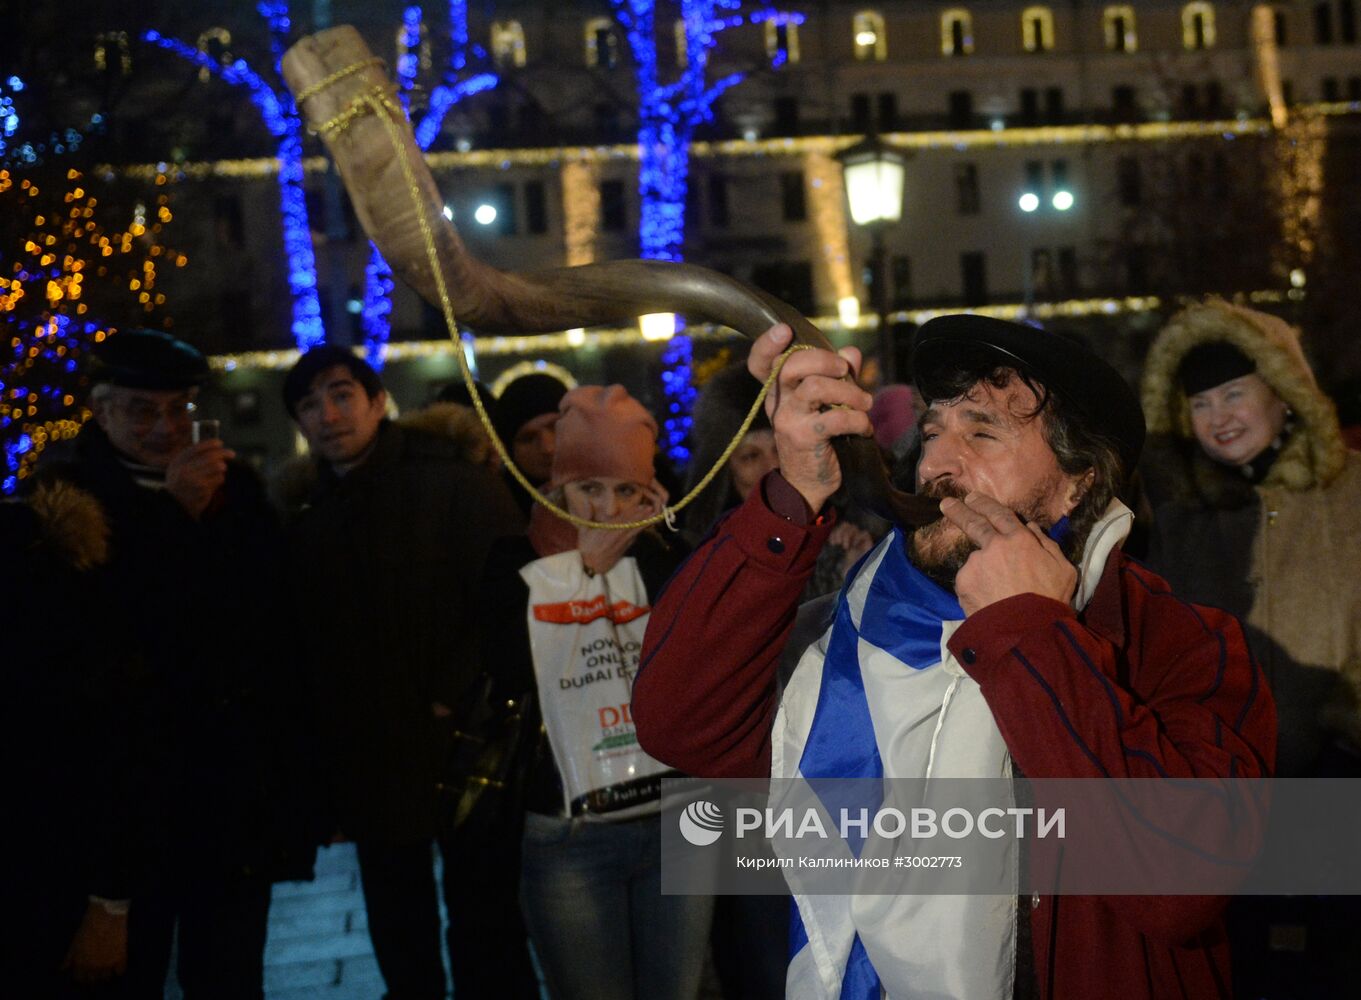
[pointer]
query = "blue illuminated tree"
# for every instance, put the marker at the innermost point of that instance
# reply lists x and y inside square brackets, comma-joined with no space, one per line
[456,83]
[280,115]
[668,114]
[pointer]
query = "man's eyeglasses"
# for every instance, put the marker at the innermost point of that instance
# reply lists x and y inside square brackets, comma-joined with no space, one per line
[144,413]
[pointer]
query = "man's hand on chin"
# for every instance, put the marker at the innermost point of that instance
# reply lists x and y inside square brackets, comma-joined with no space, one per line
[1012,558]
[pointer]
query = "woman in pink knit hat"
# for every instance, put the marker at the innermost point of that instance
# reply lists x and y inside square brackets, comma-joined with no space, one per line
[569,606]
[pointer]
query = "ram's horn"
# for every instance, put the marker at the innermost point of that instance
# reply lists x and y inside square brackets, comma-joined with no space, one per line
[497,301]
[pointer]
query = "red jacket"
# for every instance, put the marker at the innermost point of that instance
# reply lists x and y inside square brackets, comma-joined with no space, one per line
[1139,685]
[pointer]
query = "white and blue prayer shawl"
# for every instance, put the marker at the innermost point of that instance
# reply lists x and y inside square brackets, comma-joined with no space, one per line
[880,696]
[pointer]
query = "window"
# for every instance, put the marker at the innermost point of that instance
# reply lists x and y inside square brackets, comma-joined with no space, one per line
[861,118]
[791,281]
[786,115]
[1197,27]
[973,271]
[613,208]
[1331,92]
[1214,97]
[682,44]
[227,222]
[1053,105]
[718,200]
[1030,106]
[792,200]
[782,39]
[1034,178]
[507,214]
[111,48]
[887,105]
[961,109]
[1282,33]
[1121,33]
[607,125]
[507,43]
[1125,103]
[871,40]
[1190,100]
[1346,20]
[1354,88]
[1058,173]
[956,32]
[1323,23]
[967,201]
[1037,29]
[213,44]
[902,282]
[1129,181]
[602,47]
[536,208]
[1068,284]
[1136,268]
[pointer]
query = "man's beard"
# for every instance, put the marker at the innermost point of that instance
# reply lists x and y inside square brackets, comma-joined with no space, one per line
[941,549]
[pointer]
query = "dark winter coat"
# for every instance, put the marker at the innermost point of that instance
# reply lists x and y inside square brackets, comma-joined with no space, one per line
[1282,555]
[385,565]
[196,605]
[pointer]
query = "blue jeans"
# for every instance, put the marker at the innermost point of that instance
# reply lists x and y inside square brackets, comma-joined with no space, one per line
[592,900]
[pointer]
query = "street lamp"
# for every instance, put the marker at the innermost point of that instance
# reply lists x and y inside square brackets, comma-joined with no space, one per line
[874,174]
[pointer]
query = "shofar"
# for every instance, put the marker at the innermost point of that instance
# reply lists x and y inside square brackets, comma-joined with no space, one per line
[495,301]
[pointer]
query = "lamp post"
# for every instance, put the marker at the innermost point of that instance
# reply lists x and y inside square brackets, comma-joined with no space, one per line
[873,173]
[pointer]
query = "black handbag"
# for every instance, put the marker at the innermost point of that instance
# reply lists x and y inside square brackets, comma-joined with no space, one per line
[482,783]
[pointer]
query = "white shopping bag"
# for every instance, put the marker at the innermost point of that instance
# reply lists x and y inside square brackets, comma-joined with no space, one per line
[585,633]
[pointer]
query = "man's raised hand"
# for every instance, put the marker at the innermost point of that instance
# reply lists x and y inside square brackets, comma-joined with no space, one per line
[811,402]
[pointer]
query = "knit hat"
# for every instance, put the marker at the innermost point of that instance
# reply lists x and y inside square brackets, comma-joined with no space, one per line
[527,397]
[148,359]
[603,431]
[1210,364]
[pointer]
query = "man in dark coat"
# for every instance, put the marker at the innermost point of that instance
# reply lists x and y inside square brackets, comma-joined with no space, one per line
[387,555]
[194,551]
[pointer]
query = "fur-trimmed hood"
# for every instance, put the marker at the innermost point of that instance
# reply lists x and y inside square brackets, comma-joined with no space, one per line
[71,524]
[1315,454]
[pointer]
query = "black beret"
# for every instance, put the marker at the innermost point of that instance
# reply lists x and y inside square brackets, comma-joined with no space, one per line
[1210,364]
[147,359]
[1064,367]
[527,397]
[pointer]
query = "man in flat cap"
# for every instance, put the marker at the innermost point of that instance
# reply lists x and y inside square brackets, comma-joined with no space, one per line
[191,567]
[1009,637]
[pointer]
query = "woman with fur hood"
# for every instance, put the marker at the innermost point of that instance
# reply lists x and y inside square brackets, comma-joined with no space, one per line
[1257,509]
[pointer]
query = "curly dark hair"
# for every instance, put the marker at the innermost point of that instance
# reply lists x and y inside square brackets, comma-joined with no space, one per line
[1077,448]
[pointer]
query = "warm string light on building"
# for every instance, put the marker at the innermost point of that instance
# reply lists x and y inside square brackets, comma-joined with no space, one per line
[1297,159]
[281,119]
[827,211]
[560,156]
[581,210]
[46,322]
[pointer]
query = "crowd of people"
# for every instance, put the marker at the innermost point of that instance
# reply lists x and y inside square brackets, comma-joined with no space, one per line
[218,680]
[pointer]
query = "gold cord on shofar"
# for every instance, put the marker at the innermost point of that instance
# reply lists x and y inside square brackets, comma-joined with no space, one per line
[378,100]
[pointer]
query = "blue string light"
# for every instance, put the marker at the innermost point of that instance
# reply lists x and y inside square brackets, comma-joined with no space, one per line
[281,119]
[668,114]
[376,312]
